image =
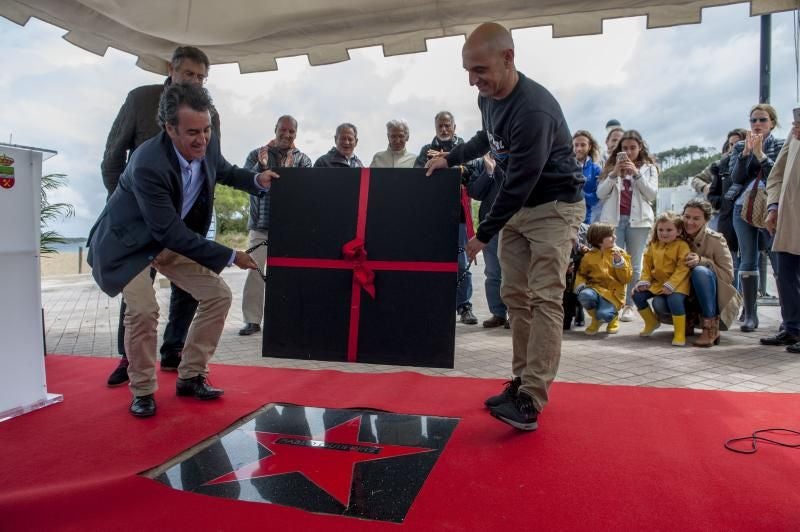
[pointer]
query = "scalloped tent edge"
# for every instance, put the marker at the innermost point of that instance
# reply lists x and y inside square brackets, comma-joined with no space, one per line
[257,33]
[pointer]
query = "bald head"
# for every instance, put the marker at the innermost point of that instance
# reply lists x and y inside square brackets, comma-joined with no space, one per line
[488,57]
[491,35]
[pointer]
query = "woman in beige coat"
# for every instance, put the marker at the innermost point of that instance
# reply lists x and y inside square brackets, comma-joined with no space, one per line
[783,219]
[712,272]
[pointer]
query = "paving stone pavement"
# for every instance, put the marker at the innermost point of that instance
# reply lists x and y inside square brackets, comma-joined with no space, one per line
[81,320]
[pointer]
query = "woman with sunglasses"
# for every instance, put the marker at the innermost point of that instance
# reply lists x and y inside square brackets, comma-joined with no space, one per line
[750,163]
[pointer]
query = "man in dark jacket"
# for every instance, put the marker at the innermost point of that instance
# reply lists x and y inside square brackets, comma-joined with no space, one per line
[483,186]
[442,144]
[342,155]
[155,219]
[539,209]
[135,123]
[279,152]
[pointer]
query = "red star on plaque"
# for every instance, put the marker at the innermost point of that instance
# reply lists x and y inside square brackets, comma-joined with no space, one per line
[328,461]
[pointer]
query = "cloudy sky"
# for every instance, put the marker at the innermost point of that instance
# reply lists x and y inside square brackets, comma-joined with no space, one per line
[677,86]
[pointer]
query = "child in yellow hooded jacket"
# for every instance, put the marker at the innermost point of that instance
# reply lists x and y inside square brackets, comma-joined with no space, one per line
[665,274]
[601,278]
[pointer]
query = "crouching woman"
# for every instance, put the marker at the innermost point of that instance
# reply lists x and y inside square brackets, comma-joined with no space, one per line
[711,276]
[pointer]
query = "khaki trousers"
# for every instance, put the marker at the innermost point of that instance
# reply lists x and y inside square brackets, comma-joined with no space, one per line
[141,319]
[535,246]
[253,295]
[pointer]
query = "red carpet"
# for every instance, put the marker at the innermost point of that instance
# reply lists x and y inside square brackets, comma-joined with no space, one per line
[605,457]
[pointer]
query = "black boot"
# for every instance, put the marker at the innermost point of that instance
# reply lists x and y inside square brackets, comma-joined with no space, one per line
[749,284]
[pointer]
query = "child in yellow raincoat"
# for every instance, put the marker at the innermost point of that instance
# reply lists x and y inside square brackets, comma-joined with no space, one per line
[665,274]
[601,279]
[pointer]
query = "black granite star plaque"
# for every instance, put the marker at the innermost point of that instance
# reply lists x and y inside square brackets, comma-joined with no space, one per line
[353,463]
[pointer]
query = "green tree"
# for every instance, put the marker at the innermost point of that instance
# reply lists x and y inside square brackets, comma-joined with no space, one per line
[51,213]
[675,175]
[233,208]
[678,156]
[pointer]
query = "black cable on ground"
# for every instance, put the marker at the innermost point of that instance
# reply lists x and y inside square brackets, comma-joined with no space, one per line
[756,437]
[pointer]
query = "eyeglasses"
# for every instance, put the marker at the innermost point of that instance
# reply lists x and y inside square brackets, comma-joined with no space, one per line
[758,119]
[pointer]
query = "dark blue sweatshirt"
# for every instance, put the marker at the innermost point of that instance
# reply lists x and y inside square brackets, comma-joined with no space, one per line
[529,138]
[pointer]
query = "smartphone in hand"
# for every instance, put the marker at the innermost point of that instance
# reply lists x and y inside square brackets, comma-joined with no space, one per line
[796,114]
[622,157]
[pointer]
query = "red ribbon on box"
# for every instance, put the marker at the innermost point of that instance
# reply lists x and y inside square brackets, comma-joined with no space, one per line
[355,258]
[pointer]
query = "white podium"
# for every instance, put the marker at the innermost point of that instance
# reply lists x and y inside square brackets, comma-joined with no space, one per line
[22,377]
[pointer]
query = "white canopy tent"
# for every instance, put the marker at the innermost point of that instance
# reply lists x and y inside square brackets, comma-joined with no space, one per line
[254,33]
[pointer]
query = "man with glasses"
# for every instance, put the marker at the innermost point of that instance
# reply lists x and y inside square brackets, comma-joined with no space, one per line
[135,123]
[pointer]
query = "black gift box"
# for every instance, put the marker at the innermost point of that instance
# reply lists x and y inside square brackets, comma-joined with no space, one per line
[362,266]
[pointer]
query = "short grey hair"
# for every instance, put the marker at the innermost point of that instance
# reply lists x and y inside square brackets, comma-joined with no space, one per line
[286,117]
[398,124]
[443,114]
[192,54]
[346,125]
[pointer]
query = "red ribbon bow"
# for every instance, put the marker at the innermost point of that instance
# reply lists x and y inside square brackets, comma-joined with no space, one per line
[356,255]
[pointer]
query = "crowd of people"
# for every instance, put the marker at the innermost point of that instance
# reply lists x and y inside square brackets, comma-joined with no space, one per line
[551,206]
[696,269]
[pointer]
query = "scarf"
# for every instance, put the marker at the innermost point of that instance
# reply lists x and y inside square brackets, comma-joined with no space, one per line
[288,161]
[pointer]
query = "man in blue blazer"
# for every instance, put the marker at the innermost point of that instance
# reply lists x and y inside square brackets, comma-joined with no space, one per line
[157,217]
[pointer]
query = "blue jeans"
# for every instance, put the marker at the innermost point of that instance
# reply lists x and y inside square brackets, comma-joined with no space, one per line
[789,290]
[713,223]
[633,240]
[747,235]
[493,278]
[704,286]
[675,302]
[464,288]
[591,300]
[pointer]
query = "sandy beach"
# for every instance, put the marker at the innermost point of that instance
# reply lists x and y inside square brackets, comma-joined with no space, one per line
[63,263]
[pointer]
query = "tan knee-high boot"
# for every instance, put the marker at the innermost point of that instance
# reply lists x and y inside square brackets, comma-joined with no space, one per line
[710,334]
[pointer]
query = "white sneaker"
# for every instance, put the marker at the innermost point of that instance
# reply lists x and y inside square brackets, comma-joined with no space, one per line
[626,314]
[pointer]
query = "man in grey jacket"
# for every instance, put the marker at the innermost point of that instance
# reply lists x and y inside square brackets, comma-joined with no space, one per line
[342,155]
[155,219]
[135,123]
[279,152]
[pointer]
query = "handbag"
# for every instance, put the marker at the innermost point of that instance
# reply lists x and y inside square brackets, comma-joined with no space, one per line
[754,205]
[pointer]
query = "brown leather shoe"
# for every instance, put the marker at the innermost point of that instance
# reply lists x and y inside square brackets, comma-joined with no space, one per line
[710,335]
[494,321]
